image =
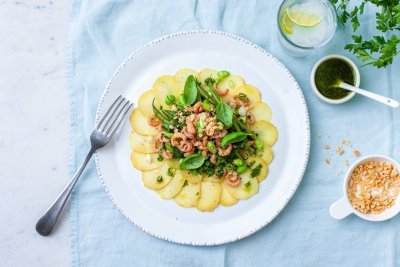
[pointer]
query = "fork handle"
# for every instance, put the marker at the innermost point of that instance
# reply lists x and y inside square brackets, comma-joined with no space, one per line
[46,224]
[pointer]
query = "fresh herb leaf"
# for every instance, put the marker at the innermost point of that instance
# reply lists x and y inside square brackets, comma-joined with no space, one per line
[190,92]
[233,138]
[224,113]
[191,162]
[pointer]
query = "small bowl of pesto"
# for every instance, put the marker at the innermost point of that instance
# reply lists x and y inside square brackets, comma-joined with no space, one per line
[328,72]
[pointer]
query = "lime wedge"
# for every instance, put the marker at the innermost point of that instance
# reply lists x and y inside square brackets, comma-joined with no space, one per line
[303,17]
[287,25]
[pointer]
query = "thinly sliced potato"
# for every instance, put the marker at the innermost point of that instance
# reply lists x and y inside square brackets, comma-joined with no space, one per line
[261,111]
[247,188]
[206,73]
[173,163]
[140,124]
[209,197]
[164,86]
[226,198]
[212,178]
[192,178]
[252,92]
[182,75]
[232,82]
[263,170]
[173,187]
[151,179]
[267,155]
[266,131]
[145,162]
[141,143]
[189,195]
[145,103]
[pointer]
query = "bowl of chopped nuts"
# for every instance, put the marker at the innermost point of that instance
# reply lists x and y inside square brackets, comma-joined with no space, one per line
[371,190]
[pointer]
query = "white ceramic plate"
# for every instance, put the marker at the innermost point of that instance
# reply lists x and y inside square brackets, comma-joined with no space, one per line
[197,50]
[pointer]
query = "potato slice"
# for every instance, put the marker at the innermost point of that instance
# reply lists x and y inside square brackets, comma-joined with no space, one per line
[145,162]
[212,178]
[189,195]
[173,187]
[141,143]
[192,178]
[140,124]
[151,179]
[252,92]
[209,197]
[145,103]
[261,111]
[164,86]
[226,198]
[267,155]
[232,83]
[205,73]
[182,75]
[263,170]
[266,131]
[247,188]
[173,163]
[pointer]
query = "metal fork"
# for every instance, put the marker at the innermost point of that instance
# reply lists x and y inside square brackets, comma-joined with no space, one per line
[101,135]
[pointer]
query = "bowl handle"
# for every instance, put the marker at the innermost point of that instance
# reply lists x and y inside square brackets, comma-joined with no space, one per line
[340,209]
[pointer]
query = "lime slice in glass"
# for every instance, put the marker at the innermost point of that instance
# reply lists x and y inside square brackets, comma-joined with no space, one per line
[303,17]
[287,25]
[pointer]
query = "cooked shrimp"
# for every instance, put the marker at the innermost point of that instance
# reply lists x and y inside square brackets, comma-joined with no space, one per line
[177,138]
[223,92]
[232,179]
[250,118]
[153,121]
[198,107]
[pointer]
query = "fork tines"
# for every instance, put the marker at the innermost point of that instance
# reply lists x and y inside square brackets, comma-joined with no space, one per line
[114,116]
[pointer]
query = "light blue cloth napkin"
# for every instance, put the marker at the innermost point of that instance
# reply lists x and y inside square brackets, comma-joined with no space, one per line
[103,33]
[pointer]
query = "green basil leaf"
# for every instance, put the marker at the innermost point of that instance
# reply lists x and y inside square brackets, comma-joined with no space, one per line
[224,113]
[190,91]
[191,162]
[233,138]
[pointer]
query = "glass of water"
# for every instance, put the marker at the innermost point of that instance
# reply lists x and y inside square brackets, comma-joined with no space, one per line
[305,25]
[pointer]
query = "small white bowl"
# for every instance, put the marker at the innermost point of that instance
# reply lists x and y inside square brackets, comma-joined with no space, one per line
[314,86]
[342,207]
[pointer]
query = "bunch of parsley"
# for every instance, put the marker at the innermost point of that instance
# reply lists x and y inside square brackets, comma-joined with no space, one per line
[380,50]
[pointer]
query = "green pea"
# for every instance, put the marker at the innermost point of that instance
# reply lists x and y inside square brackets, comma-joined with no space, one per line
[241,168]
[181,99]
[259,145]
[211,147]
[238,162]
[168,135]
[170,100]
[206,105]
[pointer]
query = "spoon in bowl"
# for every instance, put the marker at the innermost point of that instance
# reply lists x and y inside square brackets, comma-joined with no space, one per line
[382,99]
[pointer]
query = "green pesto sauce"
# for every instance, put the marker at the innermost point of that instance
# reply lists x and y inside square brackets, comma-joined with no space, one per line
[329,73]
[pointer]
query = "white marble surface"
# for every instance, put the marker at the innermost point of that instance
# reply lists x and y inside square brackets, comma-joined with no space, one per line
[34,128]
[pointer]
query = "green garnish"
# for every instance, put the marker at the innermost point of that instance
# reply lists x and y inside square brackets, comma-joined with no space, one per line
[224,113]
[380,50]
[259,145]
[231,84]
[185,183]
[170,100]
[238,162]
[206,105]
[243,97]
[171,172]
[160,179]
[168,135]
[211,147]
[190,92]
[160,157]
[247,186]
[241,169]
[191,162]
[221,75]
[181,100]
[256,170]
[233,138]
